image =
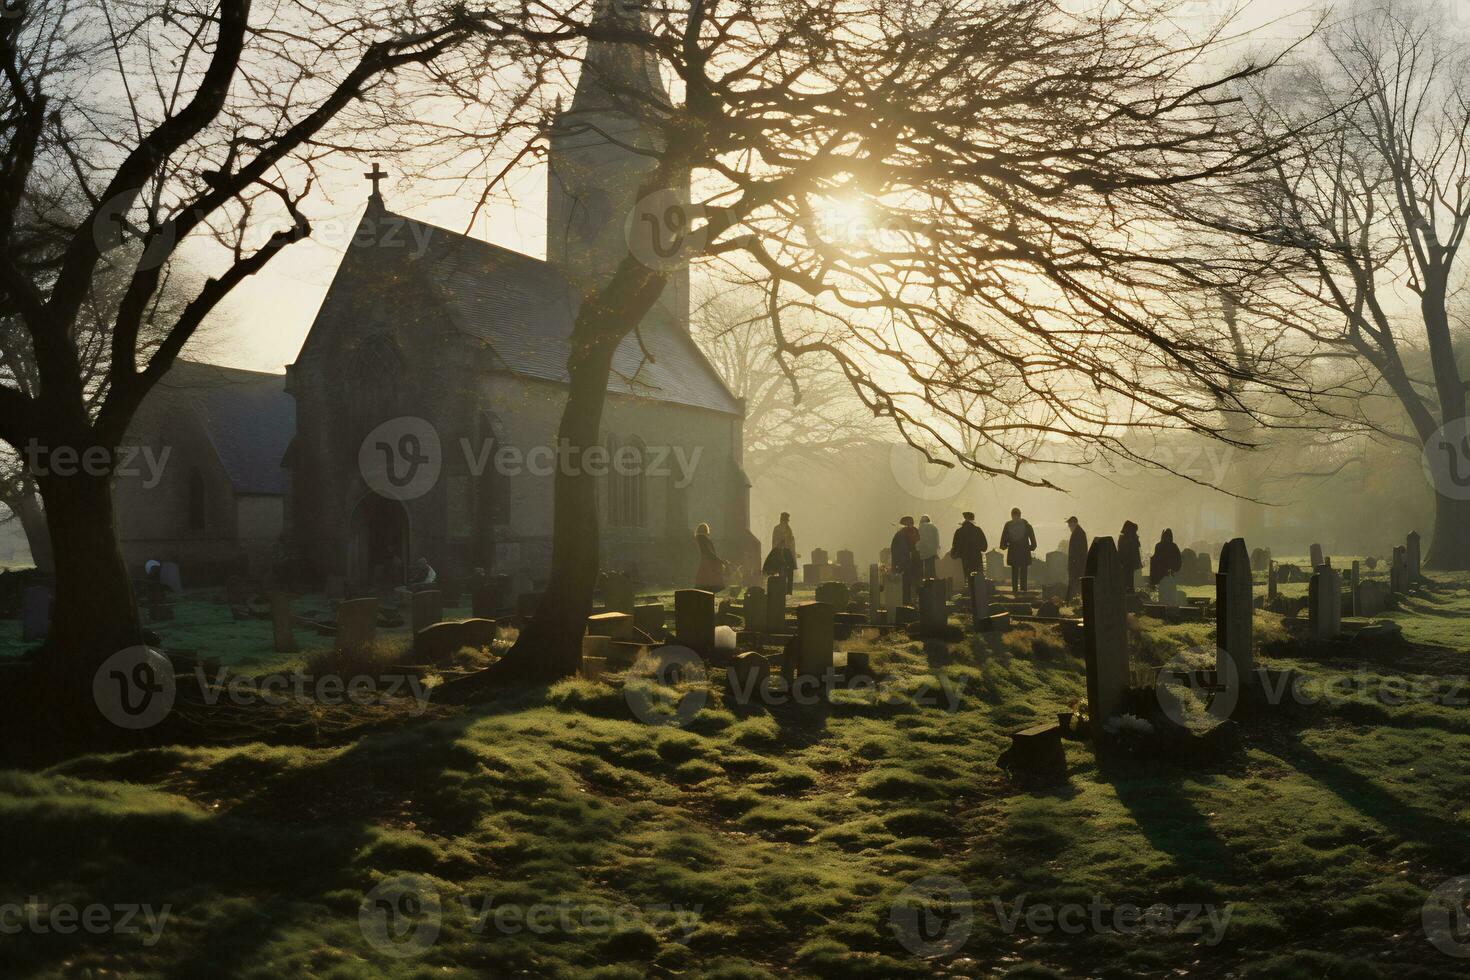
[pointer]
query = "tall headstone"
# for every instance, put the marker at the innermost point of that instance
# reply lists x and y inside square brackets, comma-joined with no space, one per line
[1324,604]
[1355,587]
[35,613]
[833,594]
[357,624]
[1416,566]
[426,608]
[995,565]
[982,593]
[1170,594]
[281,621]
[755,609]
[694,619]
[814,638]
[933,616]
[1271,583]
[1235,612]
[1398,570]
[1105,632]
[775,604]
[1316,556]
[617,592]
[875,592]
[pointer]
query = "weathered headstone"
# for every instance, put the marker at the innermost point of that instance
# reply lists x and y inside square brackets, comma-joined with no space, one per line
[426,608]
[439,642]
[357,624]
[618,625]
[995,565]
[1105,632]
[814,639]
[1235,613]
[775,604]
[755,609]
[892,598]
[1317,558]
[694,619]
[649,617]
[833,594]
[933,616]
[35,613]
[982,593]
[617,592]
[1054,570]
[746,677]
[1398,571]
[1324,604]
[1170,594]
[1271,583]
[1416,566]
[281,621]
[1373,597]
[875,592]
[1355,587]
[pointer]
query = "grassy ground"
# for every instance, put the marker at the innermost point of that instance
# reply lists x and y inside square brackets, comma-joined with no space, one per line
[562,837]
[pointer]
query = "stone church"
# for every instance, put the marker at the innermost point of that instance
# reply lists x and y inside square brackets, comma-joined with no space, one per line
[427,330]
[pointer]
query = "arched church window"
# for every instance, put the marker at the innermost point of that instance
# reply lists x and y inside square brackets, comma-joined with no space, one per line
[373,382]
[196,500]
[628,469]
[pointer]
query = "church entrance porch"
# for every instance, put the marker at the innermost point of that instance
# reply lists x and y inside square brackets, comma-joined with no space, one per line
[377,550]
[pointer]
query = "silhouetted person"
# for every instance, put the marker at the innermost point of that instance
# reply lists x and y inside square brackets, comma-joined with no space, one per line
[710,575]
[1076,558]
[969,546]
[1166,559]
[1130,553]
[904,553]
[782,559]
[1018,540]
[928,545]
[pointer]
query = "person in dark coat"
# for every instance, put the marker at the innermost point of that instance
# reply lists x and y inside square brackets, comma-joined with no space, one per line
[968,545]
[1166,558]
[782,559]
[1018,540]
[710,575]
[1076,558]
[904,550]
[1130,553]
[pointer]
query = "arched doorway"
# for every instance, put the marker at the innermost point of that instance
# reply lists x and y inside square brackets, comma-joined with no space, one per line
[378,548]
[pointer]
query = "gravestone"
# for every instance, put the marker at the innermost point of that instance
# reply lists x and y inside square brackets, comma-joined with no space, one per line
[1373,597]
[1054,570]
[1260,559]
[1398,571]
[618,625]
[1187,570]
[885,557]
[1235,613]
[1355,587]
[1202,569]
[745,678]
[875,592]
[694,619]
[281,621]
[833,594]
[814,638]
[357,624]
[1104,632]
[1317,558]
[1170,594]
[892,598]
[439,642]
[617,592]
[933,617]
[1324,604]
[1271,585]
[755,609]
[982,593]
[35,613]
[995,565]
[1416,567]
[426,608]
[775,604]
[649,617]
[817,570]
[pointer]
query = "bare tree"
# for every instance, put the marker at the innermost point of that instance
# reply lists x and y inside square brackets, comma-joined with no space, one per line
[1357,224]
[157,123]
[1013,164]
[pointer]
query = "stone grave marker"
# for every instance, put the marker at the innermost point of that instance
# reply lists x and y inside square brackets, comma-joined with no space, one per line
[755,609]
[35,613]
[1235,613]
[1355,587]
[933,616]
[1324,604]
[833,594]
[1104,632]
[617,592]
[1398,571]
[1317,558]
[1271,584]
[775,604]
[1416,566]
[426,608]
[814,638]
[649,617]
[1373,597]
[281,621]
[745,678]
[982,593]
[694,619]
[1054,568]
[875,592]
[618,625]
[357,624]
[995,565]
[1170,594]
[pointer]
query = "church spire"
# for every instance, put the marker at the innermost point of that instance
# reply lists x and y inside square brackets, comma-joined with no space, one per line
[618,74]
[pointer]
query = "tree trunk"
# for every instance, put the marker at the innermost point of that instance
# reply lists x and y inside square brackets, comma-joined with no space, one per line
[94,615]
[1449,548]
[27,507]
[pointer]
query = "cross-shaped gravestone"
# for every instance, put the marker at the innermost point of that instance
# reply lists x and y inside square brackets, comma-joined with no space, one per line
[1105,632]
[376,176]
[1234,615]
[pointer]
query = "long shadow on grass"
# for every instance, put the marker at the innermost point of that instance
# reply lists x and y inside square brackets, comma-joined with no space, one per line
[1166,815]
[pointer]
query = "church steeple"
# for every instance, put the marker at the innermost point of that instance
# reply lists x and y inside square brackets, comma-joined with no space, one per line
[619,75]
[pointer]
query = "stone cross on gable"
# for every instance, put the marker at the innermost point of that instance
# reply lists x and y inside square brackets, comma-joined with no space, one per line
[376,175]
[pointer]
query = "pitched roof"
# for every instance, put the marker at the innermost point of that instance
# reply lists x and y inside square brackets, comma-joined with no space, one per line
[247,416]
[523,308]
